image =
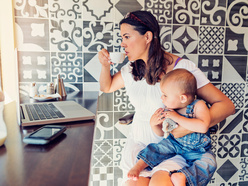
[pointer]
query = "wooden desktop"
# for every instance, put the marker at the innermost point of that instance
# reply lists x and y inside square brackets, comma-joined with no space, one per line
[65,161]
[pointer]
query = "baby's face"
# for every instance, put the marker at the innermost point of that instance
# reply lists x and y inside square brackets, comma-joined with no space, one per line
[170,95]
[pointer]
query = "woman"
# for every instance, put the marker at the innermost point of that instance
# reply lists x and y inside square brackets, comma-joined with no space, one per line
[141,76]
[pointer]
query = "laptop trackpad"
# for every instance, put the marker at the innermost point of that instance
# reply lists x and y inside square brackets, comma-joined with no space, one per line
[71,109]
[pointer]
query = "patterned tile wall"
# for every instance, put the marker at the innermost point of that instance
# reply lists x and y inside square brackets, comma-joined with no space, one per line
[64,36]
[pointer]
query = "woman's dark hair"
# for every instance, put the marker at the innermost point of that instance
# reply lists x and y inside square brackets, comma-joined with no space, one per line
[144,21]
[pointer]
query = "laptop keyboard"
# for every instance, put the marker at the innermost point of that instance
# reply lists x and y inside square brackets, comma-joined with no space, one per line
[43,111]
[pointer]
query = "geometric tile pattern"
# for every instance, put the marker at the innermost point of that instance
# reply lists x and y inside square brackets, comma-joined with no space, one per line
[32,9]
[122,8]
[239,63]
[243,169]
[227,170]
[32,34]
[211,65]
[244,145]
[235,92]
[232,124]
[65,9]
[102,176]
[66,35]
[97,35]
[162,10]
[63,37]
[229,146]
[69,65]
[34,66]
[97,9]
[187,12]
[236,41]
[213,13]
[211,40]
[91,67]
[103,153]
[185,39]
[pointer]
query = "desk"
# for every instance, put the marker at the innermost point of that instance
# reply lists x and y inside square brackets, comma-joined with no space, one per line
[65,161]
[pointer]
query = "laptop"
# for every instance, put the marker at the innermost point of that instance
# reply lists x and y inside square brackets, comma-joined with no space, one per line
[43,113]
[49,112]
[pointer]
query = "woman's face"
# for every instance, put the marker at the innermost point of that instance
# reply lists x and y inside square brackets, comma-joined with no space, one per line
[135,44]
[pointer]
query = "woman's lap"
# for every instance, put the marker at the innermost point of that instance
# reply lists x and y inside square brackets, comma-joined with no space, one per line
[130,153]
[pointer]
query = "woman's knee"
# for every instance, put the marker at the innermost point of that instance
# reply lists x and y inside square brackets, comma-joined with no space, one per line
[161,178]
[142,181]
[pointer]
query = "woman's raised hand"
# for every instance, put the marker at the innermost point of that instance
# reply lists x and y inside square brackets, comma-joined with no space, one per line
[104,58]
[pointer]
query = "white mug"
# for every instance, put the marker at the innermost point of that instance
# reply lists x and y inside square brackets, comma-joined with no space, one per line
[117,57]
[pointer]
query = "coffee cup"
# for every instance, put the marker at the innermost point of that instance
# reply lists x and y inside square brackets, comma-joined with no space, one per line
[117,57]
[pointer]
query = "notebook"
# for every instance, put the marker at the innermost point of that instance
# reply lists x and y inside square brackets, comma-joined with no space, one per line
[61,111]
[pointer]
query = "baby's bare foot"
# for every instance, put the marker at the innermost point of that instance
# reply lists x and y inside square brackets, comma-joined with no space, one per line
[133,174]
[135,171]
[178,179]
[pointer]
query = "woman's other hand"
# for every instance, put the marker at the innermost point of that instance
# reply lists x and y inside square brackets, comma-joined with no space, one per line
[104,58]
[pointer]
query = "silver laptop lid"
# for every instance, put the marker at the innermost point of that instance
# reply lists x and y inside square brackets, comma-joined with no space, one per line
[72,110]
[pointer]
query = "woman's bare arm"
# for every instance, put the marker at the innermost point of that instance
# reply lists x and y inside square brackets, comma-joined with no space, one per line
[221,107]
[108,83]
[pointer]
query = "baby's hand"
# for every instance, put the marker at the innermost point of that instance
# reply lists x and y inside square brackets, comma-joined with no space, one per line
[158,117]
[171,114]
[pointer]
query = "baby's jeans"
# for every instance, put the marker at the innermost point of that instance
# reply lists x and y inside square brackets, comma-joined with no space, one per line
[155,153]
[202,170]
[202,165]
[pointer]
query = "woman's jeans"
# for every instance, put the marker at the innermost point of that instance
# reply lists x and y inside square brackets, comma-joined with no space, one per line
[202,165]
[201,171]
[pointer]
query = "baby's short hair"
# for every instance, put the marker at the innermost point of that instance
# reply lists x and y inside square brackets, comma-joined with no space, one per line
[182,78]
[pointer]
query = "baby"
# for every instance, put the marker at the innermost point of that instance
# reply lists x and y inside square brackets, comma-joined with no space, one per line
[178,95]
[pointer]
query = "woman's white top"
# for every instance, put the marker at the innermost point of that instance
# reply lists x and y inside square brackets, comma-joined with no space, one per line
[147,99]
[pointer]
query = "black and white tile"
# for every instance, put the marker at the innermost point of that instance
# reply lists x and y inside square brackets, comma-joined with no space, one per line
[59,9]
[185,39]
[187,12]
[213,13]
[66,35]
[32,34]
[97,35]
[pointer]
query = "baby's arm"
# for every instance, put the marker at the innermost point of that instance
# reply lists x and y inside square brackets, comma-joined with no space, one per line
[156,122]
[201,121]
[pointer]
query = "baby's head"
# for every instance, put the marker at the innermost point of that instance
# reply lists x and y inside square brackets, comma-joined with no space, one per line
[178,86]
